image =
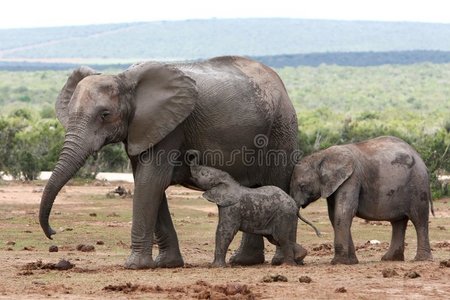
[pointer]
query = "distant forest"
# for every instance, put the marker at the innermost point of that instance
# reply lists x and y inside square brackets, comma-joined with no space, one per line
[355,59]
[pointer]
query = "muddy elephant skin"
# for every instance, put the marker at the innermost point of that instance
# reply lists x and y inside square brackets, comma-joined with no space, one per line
[157,110]
[266,211]
[381,179]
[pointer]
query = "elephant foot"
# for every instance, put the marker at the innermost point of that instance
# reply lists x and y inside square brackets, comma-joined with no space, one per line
[352,260]
[138,261]
[423,256]
[396,255]
[247,259]
[289,262]
[300,254]
[277,259]
[169,260]
[218,264]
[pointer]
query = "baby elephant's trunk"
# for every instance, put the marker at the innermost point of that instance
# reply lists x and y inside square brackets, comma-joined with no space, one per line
[309,223]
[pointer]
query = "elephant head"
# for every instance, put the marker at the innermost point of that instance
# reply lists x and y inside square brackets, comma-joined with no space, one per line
[320,175]
[138,107]
[216,183]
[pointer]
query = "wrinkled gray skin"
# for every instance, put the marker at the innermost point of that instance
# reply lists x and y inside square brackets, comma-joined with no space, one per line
[266,211]
[381,179]
[219,104]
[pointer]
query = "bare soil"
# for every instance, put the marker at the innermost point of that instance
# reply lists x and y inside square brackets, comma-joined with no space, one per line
[86,218]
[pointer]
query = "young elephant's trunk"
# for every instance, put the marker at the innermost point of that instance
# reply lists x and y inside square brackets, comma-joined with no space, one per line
[309,223]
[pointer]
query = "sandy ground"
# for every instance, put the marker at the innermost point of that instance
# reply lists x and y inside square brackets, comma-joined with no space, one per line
[86,215]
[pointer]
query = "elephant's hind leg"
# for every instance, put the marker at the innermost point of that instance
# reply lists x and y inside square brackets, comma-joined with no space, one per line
[250,252]
[423,242]
[299,253]
[397,247]
[166,237]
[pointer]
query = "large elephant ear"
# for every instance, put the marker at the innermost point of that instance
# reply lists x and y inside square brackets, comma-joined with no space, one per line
[335,168]
[63,100]
[220,196]
[164,98]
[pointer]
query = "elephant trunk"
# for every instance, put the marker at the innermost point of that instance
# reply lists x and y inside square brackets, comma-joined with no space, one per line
[72,158]
[300,201]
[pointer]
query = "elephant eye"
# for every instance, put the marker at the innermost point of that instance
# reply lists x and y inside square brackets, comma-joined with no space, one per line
[104,114]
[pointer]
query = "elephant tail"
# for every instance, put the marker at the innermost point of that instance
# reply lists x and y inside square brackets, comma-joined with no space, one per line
[309,223]
[431,206]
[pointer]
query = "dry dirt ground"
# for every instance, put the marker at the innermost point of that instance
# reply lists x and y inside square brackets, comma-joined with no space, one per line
[84,215]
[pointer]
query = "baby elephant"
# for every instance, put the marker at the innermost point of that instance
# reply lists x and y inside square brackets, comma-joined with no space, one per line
[378,179]
[266,211]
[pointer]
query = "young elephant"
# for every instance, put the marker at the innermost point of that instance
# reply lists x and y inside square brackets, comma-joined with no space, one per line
[378,179]
[266,211]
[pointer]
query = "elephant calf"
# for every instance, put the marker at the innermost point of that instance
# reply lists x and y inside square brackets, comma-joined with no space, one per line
[381,179]
[266,211]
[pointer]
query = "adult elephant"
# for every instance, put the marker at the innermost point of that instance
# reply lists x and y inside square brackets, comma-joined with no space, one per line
[235,108]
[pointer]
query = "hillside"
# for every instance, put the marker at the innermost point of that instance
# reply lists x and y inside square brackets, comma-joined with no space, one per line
[194,39]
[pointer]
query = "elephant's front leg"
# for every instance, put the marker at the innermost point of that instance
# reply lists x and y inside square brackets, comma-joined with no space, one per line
[151,181]
[345,206]
[227,228]
[166,237]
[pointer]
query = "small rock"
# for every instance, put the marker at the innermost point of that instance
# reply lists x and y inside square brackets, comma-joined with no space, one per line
[374,242]
[274,278]
[280,278]
[85,248]
[64,265]
[441,228]
[53,248]
[100,243]
[412,274]
[341,290]
[92,214]
[211,215]
[305,279]
[10,243]
[445,263]
[388,273]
